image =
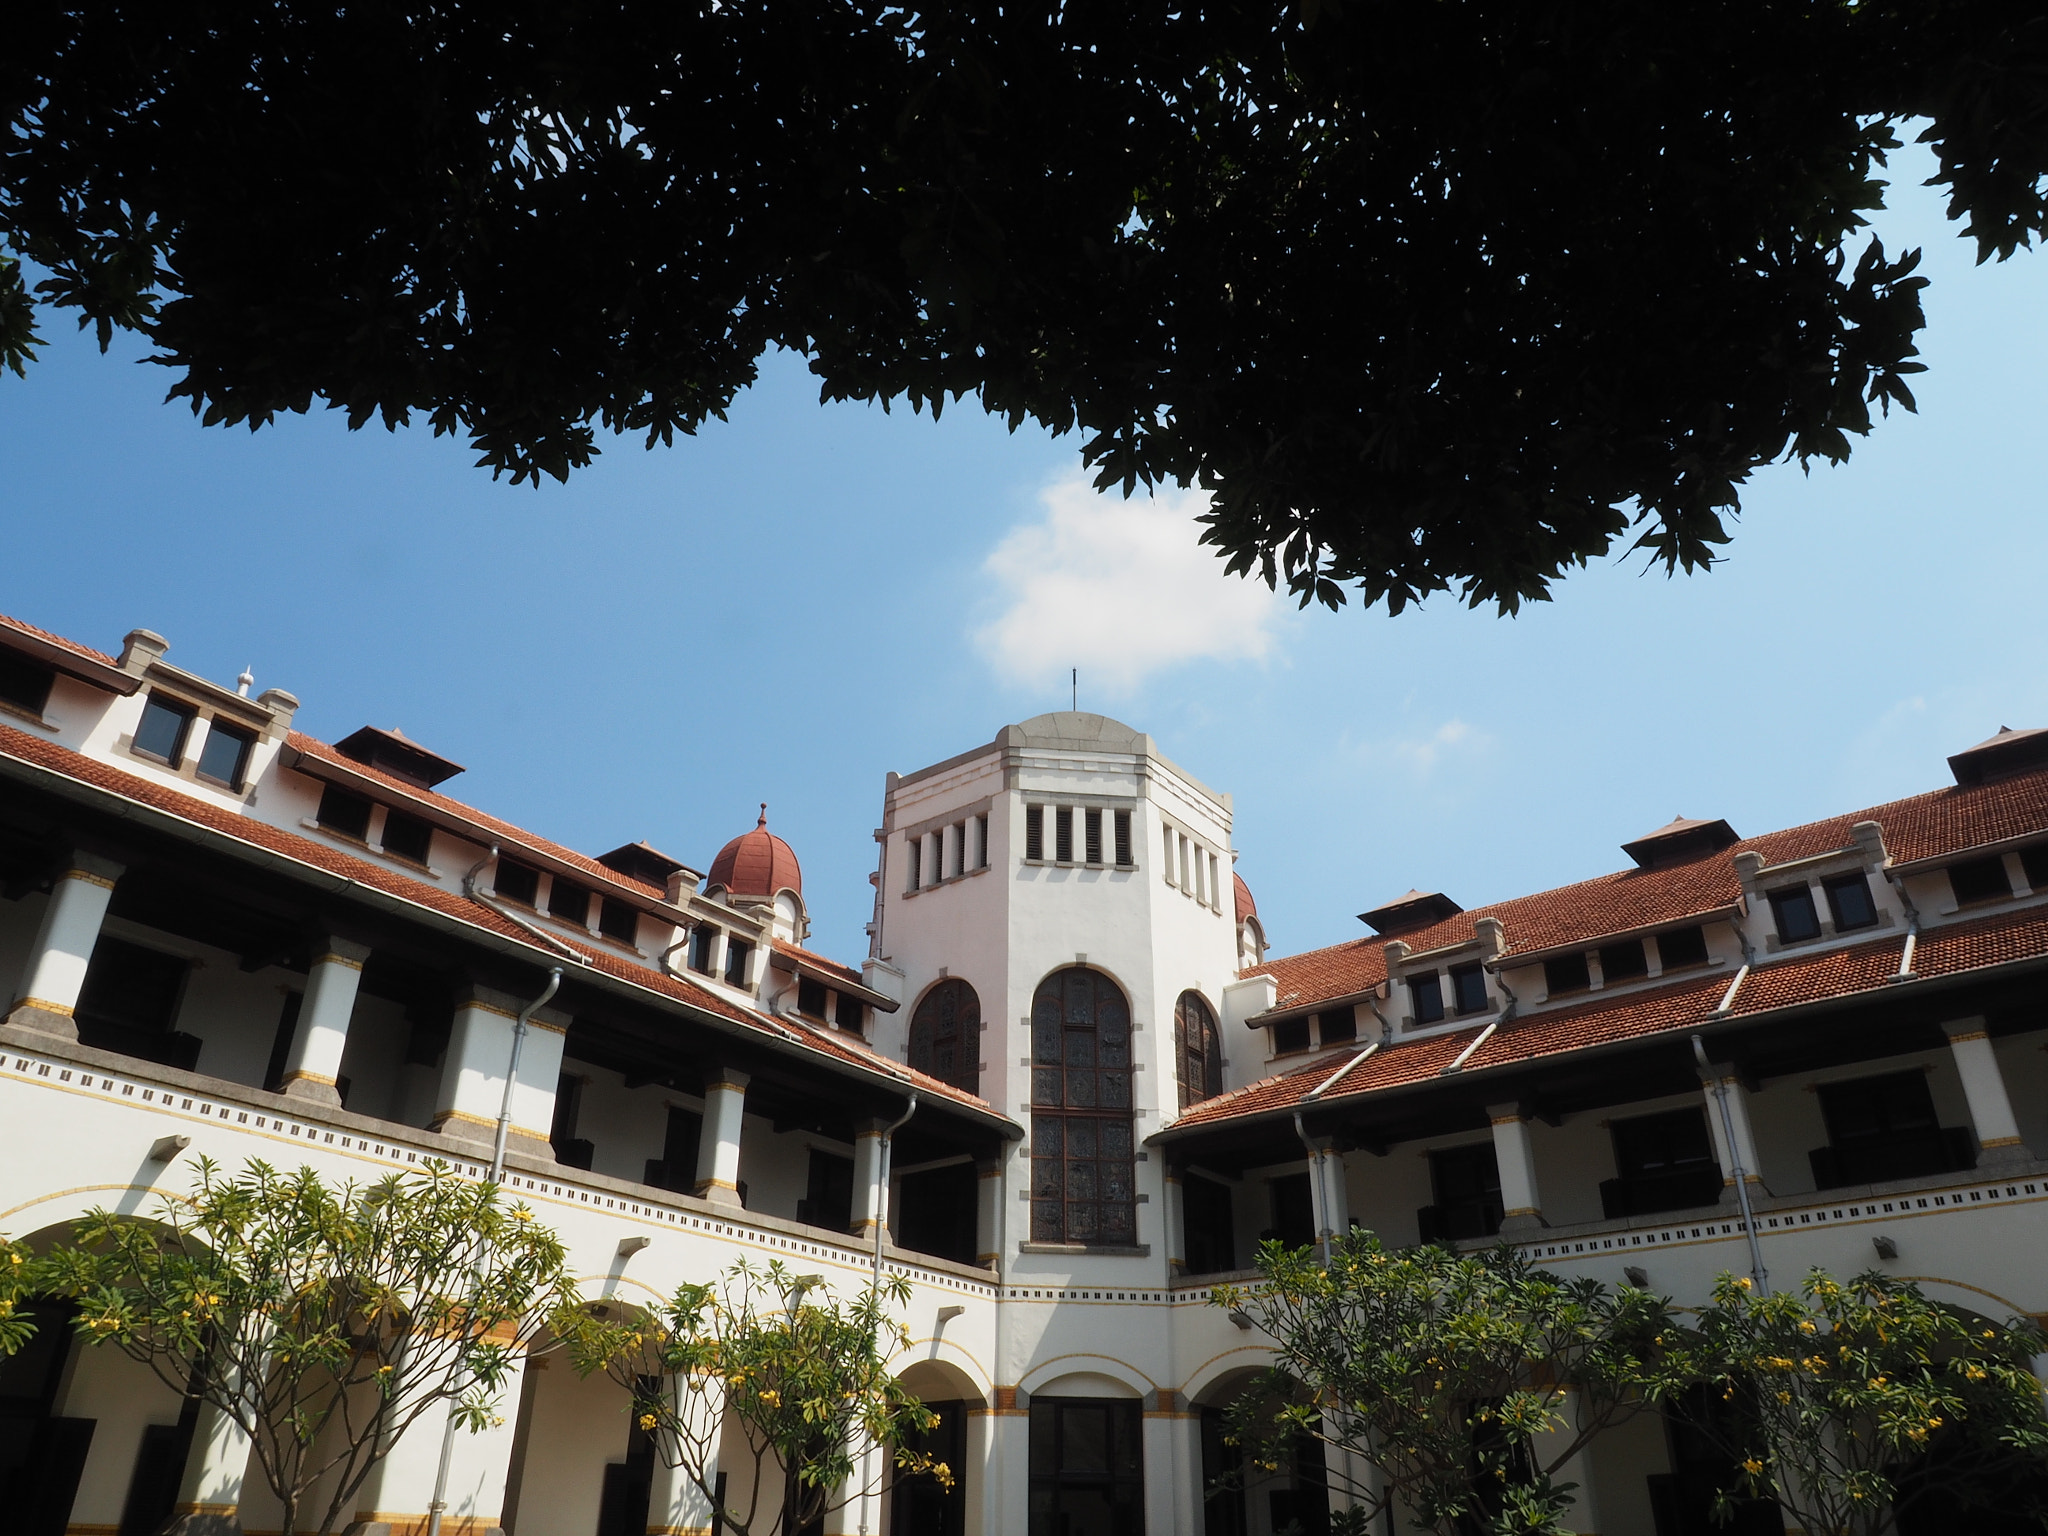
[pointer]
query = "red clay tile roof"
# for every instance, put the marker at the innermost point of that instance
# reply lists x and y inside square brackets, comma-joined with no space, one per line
[1945,821]
[72,646]
[1246,907]
[811,957]
[757,863]
[259,834]
[1987,941]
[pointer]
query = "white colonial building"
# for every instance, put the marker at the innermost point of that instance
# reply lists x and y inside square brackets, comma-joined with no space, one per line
[1090,1088]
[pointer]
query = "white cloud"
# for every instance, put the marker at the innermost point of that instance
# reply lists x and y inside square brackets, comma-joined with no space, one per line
[1119,588]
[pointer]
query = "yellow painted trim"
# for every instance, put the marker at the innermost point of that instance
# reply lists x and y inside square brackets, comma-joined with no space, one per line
[45,1004]
[1506,1120]
[313,1077]
[473,1006]
[1522,1210]
[704,1184]
[354,965]
[84,878]
[721,1086]
[553,1029]
[2000,1141]
[1975,1034]
[204,1509]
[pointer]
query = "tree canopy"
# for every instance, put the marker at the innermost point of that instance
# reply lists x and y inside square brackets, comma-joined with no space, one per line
[1432,295]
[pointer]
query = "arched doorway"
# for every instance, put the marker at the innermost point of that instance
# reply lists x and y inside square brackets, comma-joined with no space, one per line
[945,1035]
[921,1505]
[1082,1188]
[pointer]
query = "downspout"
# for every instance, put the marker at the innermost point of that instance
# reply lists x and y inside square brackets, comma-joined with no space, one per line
[469,889]
[1736,1171]
[1505,1016]
[1905,971]
[1742,975]
[1315,1189]
[440,1503]
[881,1226]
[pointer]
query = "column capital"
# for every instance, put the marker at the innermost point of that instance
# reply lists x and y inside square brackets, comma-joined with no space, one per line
[1505,1114]
[727,1080]
[1971,1028]
[332,946]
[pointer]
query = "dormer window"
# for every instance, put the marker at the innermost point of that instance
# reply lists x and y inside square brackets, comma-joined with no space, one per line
[2034,865]
[1290,1035]
[1426,997]
[1979,880]
[1793,910]
[24,683]
[1678,948]
[569,902]
[1566,973]
[737,952]
[702,937]
[1624,961]
[849,1013]
[1849,901]
[1468,989]
[1337,1026]
[810,998]
[345,812]
[224,756]
[618,920]
[162,730]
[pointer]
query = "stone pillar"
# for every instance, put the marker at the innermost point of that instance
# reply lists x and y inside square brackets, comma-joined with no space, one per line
[1521,1206]
[473,1072]
[1161,1429]
[1998,1132]
[976,1473]
[1584,1515]
[313,1068]
[676,1506]
[1174,1220]
[210,1492]
[55,973]
[1721,1074]
[867,1176]
[1009,1470]
[718,1153]
[1335,1216]
[988,1213]
[397,1497]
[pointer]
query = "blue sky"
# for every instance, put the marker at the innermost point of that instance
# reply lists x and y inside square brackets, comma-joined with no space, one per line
[805,597]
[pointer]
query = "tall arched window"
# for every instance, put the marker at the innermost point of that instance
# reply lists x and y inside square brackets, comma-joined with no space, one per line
[1198,1050]
[945,1035]
[1081,1180]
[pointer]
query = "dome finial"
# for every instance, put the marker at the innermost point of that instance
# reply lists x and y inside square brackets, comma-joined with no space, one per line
[764,815]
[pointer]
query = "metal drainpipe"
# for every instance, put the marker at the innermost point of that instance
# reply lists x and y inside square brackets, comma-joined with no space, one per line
[440,1503]
[1905,970]
[1315,1189]
[1757,1271]
[881,1226]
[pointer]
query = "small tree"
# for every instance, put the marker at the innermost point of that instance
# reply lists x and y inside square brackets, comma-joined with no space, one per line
[19,1282]
[325,1322]
[1440,1370]
[805,1376]
[1827,1399]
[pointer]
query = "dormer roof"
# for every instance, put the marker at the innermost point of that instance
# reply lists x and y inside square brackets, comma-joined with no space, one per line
[1416,909]
[397,754]
[1680,838]
[2010,751]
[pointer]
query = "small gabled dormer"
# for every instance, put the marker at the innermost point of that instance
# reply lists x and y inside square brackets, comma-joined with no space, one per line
[1680,840]
[1449,986]
[1841,893]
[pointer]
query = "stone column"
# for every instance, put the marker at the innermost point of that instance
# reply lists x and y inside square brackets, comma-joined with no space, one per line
[867,1176]
[397,1497]
[1521,1206]
[675,1504]
[313,1068]
[210,1492]
[718,1153]
[473,1072]
[1009,1479]
[1998,1132]
[1174,1220]
[1335,1216]
[1722,1074]
[977,1475]
[55,973]
[1173,1466]
[988,1213]
[1584,1515]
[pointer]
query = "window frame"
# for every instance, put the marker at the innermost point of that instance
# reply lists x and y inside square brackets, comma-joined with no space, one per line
[1197,1063]
[1576,974]
[1126,851]
[1063,834]
[1834,886]
[406,819]
[618,921]
[1034,834]
[1792,898]
[35,681]
[1636,954]
[1458,975]
[738,954]
[2001,892]
[217,729]
[185,714]
[1082,1080]
[1667,963]
[334,796]
[1283,1045]
[1343,1032]
[1426,984]
[948,1013]
[520,873]
[568,890]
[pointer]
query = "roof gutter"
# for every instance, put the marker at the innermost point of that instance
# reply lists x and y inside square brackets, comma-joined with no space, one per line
[787,1047]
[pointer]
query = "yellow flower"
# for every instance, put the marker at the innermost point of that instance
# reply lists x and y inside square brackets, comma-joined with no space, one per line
[771,1397]
[1807,1326]
[647,1422]
[1753,1467]
[1745,1282]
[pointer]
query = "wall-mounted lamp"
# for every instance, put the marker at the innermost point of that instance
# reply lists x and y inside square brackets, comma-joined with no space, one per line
[628,1246]
[1637,1276]
[1886,1248]
[164,1148]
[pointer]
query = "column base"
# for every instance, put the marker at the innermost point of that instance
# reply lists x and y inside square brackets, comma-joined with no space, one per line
[314,1090]
[1999,1154]
[33,1019]
[1523,1221]
[204,1523]
[721,1194]
[380,1523]
[482,1135]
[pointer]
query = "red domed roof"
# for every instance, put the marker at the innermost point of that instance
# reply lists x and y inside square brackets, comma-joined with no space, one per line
[1246,907]
[757,863]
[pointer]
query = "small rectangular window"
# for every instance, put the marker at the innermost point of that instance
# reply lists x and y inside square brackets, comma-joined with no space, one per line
[1166,837]
[916,847]
[981,842]
[1187,873]
[1793,910]
[701,941]
[569,901]
[2034,864]
[959,847]
[1468,988]
[1624,961]
[1123,839]
[224,756]
[737,953]
[618,920]
[162,730]
[1337,1026]
[23,683]
[1063,835]
[1215,883]
[848,1013]
[344,812]
[810,997]
[516,882]
[1566,973]
[407,837]
[1849,901]
[1034,832]
[1979,880]
[1092,832]
[1290,1035]
[1679,947]
[1426,997]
